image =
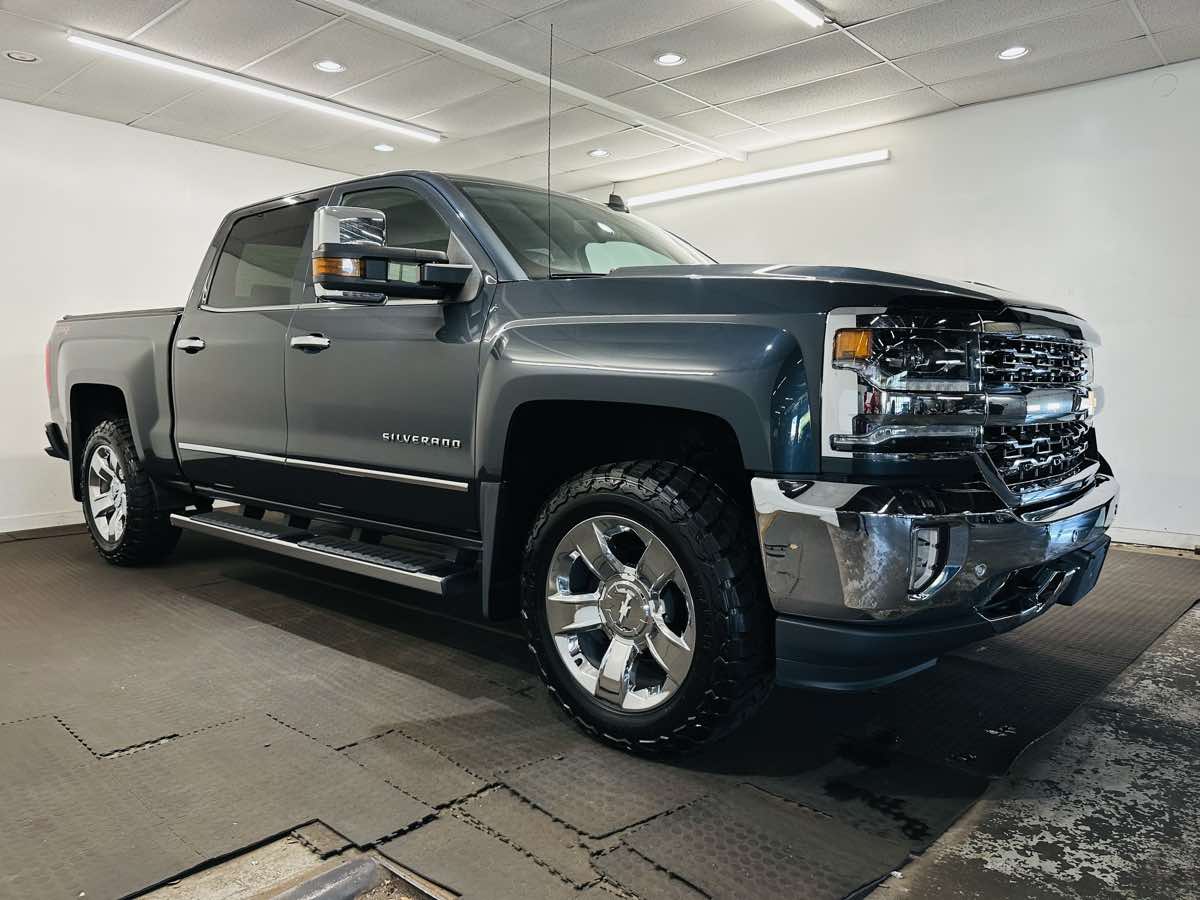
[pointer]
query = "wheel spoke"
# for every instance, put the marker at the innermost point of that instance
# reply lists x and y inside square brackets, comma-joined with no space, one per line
[594,548]
[101,467]
[573,613]
[616,671]
[669,650]
[103,504]
[656,566]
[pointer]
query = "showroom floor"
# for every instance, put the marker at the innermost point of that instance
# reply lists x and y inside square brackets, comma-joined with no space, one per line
[157,720]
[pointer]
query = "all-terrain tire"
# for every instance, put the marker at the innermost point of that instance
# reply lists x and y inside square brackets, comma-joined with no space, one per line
[712,539]
[148,535]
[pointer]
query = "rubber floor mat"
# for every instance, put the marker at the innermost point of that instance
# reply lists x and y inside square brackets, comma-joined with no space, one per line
[746,844]
[419,770]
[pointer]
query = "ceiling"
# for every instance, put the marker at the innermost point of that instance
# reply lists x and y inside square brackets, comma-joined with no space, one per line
[755,76]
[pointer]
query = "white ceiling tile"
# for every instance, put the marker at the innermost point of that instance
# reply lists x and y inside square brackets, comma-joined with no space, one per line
[356,153]
[525,45]
[21,92]
[1128,56]
[656,164]
[364,52]
[530,169]
[231,33]
[657,100]
[754,139]
[570,182]
[909,105]
[851,12]
[299,129]
[518,8]
[453,18]
[798,64]
[762,25]
[598,76]
[122,84]
[600,24]
[115,18]
[424,86]
[1180,43]
[223,110]
[709,122]
[193,130]
[954,21]
[819,96]
[1097,27]
[59,59]
[510,104]
[114,109]
[1161,15]
[629,144]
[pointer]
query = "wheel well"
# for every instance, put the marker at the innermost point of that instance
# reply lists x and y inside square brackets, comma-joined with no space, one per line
[91,404]
[550,441]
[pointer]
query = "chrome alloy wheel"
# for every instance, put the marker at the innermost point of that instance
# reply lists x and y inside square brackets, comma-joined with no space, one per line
[106,496]
[621,613]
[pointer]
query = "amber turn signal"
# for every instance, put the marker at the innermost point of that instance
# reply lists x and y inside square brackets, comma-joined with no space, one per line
[851,344]
[336,265]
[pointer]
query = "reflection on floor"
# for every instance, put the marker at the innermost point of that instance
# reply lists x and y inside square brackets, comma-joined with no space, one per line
[153,720]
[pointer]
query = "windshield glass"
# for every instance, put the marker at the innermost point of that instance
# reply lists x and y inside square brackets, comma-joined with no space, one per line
[585,238]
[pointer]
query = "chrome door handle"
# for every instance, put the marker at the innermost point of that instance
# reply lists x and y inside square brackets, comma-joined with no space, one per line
[190,345]
[311,343]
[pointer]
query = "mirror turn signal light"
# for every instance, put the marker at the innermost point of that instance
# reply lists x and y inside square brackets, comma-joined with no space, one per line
[851,344]
[336,265]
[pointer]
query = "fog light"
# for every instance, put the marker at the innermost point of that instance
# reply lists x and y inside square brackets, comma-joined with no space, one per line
[926,558]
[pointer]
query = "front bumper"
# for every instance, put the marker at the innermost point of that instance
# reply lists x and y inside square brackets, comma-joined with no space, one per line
[838,559]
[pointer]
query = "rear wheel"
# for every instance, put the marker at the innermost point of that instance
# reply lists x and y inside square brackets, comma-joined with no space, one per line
[118,500]
[644,606]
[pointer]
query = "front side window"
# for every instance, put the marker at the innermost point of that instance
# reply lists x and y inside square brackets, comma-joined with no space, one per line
[263,262]
[583,238]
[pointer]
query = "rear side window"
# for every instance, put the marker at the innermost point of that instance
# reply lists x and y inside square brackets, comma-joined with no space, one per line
[263,262]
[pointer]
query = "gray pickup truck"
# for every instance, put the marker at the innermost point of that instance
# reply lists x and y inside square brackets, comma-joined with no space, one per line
[691,480]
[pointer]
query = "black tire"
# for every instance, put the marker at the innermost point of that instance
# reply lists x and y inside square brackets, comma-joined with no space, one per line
[148,535]
[712,539]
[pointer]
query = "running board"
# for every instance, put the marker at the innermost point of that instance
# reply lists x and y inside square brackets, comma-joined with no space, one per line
[409,568]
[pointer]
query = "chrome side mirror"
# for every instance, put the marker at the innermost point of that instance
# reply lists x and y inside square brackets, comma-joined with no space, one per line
[351,264]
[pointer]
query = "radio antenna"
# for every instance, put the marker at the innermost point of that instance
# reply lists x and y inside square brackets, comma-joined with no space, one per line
[549,124]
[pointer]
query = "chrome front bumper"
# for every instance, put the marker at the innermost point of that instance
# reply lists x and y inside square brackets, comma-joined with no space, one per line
[843,552]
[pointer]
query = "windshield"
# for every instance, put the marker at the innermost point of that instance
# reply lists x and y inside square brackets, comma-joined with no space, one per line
[585,238]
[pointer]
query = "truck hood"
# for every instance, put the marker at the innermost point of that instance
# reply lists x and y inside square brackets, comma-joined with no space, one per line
[967,290]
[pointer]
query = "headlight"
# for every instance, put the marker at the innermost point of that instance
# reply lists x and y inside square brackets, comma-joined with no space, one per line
[894,359]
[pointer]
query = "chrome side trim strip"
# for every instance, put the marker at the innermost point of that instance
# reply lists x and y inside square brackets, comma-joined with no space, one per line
[226,451]
[423,480]
[402,477]
[419,580]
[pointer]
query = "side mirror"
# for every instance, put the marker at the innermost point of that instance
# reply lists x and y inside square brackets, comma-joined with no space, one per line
[351,264]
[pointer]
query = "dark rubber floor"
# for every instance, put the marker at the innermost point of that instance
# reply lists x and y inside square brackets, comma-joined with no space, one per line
[153,720]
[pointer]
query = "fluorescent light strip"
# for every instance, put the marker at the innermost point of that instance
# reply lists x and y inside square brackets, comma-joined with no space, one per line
[804,12]
[249,85]
[722,184]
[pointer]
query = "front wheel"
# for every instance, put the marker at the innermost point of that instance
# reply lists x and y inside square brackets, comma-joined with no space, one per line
[644,606]
[118,500]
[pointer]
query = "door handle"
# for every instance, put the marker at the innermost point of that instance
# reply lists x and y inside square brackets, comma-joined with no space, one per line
[190,345]
[311,343]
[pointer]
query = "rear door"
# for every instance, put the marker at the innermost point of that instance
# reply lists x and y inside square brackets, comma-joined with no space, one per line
[228,355]
[381,420]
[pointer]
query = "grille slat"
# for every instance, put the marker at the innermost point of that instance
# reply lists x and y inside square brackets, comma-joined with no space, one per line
[1033,362]
[1029,457]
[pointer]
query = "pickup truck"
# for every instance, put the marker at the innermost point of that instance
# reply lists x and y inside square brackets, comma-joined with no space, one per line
[691,480]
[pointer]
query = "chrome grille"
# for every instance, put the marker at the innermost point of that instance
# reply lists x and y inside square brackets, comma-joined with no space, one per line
[1034,362]
[1029,457]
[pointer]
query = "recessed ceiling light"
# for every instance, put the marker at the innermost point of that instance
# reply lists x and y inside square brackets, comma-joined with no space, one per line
[22,56]
[1011,53]
[328,65]
[670,58]
[383,148]
[599,153]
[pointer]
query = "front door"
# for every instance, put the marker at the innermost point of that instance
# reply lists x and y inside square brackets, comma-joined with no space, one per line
[228,356]
[381,398]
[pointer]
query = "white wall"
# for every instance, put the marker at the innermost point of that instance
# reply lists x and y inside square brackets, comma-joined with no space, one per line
[1086,197]
[82,197]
